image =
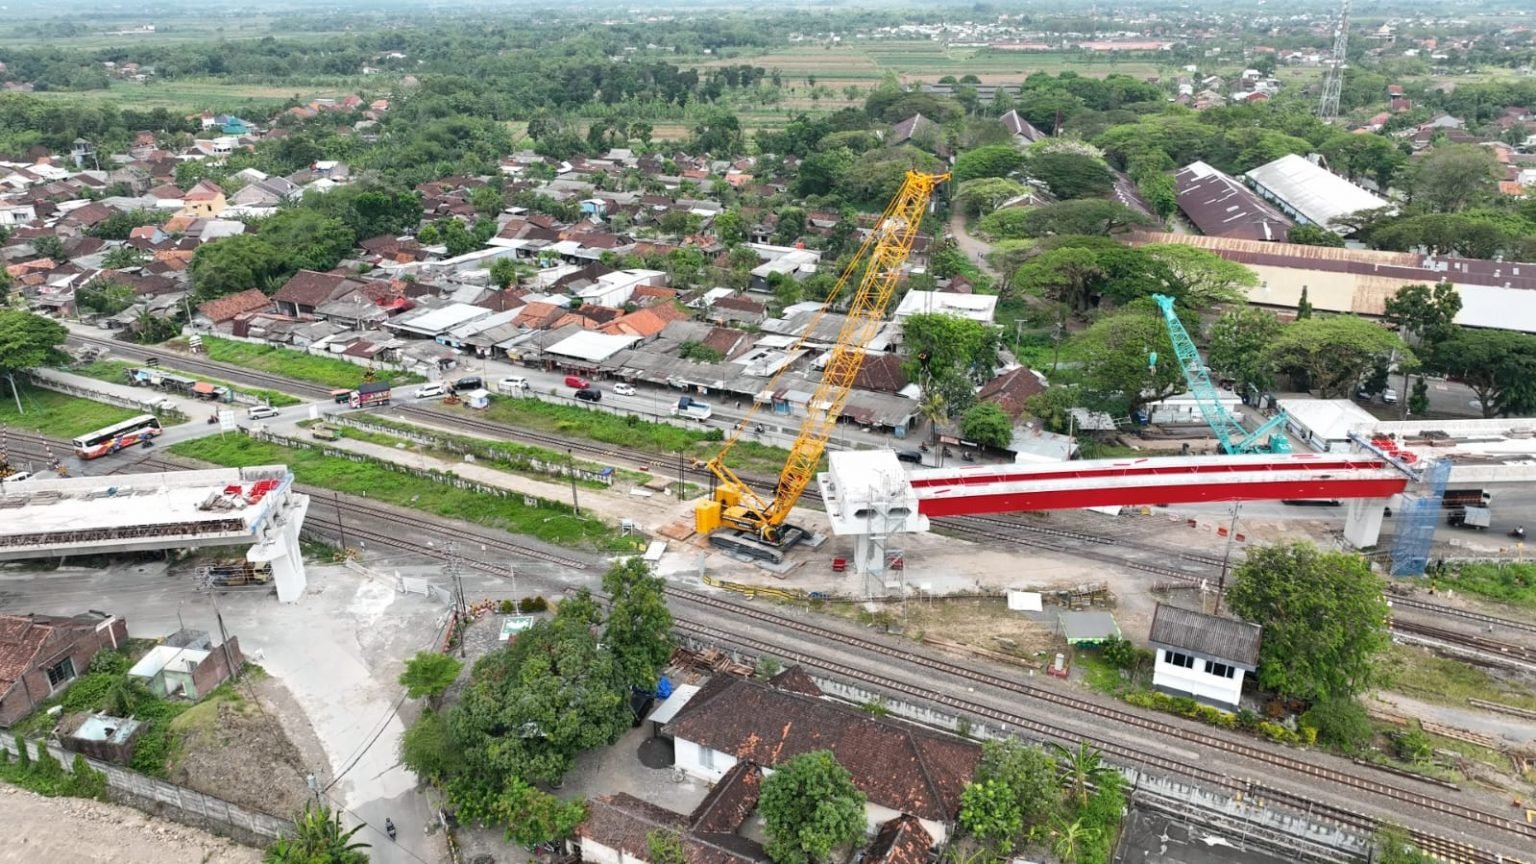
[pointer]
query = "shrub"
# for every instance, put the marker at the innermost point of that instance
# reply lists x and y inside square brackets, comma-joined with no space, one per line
[1119,653]
[89,690]
[1414,746]
[1341,724]
[1185,706]
[1277,733]
[110,663]
[23,756]
[86,782]
[1247,719]
[506,607]
[1308,736]
[529,605]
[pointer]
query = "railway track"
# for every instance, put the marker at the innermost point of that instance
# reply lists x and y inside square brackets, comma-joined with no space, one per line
[1260,755]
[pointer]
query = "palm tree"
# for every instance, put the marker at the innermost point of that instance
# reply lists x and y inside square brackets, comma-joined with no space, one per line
[1081,768]
[1067,839]
[318,838]
[932,408]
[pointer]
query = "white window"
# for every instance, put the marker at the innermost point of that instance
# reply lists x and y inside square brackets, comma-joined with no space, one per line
[61,673]
[706,757]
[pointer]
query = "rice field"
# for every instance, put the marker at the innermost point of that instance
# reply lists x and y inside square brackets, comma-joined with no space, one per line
[864,64]
[196,95]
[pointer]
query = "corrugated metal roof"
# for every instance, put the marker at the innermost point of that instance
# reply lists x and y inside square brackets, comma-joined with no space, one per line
[1221,206]
[1314,193]
[1227,639]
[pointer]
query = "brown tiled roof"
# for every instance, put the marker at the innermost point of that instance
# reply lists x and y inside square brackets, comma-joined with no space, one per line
[90,214]
[205,190]
[22,636]
[1010,390]
[623,822]
[646,322]
[796,680]
[226,308]
[740,304]
[309,288]
[652,292]
[881,373]
[902,840]
[725,340]
[166,191]
[537,316]
[729,804]
[899,766]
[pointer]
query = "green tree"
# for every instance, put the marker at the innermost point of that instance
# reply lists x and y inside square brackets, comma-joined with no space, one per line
[1429,313]
[105,298]
[429,673]
[1159,193]
[1118,375]
[1453,177]
[1086,216]
[1311,235]
[1068,839]
[1334,353]
[236,264]
[119,225]
[1394,846]
[1323,616]
[988,425]
[427,748]
[730,227]
[1027,772]
[1070,276]
[1201,279]
[1071,175]
[486,200]
[1303,306]
[1359,156]
[790,226]
[123,258]
[639,626]
[989,811]
[504,272]
[995,160]
[309,240]
[1239,340]
[369,210]
[1340,723]
[29,341]
[1499,366]
[981,196]
[318,838]
[49,246]
[810,808]
[948,346]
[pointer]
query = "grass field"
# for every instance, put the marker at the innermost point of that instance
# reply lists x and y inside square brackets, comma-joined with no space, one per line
[864,64]
[295,364]
[630,431]
[1416,672]
[113,371]
[56,414]
[547,520]
[197,95]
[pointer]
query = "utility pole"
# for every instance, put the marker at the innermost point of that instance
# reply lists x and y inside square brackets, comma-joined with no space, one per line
[340,526]
[570,464]
[460,610]
[1226,559]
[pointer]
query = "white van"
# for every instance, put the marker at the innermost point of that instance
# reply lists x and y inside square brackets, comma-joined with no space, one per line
[428,390]
[514,385]
[262,412]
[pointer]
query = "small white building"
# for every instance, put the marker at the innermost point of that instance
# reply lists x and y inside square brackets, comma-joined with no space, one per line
[981,308]
[614,289]
[1324,424]
[1204,657]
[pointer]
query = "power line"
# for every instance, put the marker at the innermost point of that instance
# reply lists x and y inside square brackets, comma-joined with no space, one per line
[342,807]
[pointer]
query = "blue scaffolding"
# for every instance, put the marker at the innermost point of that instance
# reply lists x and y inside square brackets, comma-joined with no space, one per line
[1417,520]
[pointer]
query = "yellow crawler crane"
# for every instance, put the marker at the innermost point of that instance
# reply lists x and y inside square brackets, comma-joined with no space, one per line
[735,517]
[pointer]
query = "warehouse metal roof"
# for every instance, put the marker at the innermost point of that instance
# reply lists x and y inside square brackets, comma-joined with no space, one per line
[1310,191]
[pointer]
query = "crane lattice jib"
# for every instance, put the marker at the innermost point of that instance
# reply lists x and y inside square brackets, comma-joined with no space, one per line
[1234,438]
[893,238]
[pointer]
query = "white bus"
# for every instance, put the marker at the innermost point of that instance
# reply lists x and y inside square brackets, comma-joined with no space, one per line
[116,437]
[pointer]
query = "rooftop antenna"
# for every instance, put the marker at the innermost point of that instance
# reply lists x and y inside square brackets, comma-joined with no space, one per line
[1333,79]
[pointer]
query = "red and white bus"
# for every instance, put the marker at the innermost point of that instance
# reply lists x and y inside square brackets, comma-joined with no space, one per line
[114,438]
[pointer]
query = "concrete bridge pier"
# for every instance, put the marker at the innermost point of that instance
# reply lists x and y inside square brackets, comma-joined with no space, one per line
[1362,521]
[279,546]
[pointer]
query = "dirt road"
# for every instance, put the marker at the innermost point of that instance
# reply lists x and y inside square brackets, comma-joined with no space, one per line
[76,831]
[974,249]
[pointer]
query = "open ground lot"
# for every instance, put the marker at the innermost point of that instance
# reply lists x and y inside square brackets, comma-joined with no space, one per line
[76,831]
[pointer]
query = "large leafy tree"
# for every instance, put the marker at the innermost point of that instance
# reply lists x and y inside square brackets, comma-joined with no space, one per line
[1071,175]
[950,356]
[1357,156]
[236,264]
[1201,279]
[1085,216]
[1071,276]
[1027,772]
[1239,340]
[318,838]
[28,341]
[987,424]
[981,196]
[810,808]
[1323,616]
[989,811]
[428,674]
[1429,313]
[1119,374]
[1453,177]
[1499,366]
[1334,353]
[369,210]
[309,240]
[639,626]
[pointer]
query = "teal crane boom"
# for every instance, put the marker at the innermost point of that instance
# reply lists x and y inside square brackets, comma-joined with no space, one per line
[1229,430]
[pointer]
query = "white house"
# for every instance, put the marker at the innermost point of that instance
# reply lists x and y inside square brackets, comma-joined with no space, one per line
[900,768]
[1203,656]
[614,289]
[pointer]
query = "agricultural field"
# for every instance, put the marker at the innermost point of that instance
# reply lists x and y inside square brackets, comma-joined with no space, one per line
[189,95]
[865,64]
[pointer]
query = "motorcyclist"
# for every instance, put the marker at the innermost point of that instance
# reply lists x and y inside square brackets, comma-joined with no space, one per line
[389,828]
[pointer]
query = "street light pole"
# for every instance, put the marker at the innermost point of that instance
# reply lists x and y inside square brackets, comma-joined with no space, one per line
[570,464]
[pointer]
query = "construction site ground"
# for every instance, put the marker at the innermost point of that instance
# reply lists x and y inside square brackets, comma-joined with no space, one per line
[78,831]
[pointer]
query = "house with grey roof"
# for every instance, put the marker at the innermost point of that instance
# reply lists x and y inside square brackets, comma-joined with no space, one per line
[1203,656]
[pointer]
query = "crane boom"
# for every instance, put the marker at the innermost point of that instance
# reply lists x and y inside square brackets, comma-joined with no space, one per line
[737,505]
[1234,438]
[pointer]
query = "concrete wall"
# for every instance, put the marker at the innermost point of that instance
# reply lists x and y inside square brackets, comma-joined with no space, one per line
[1196,682]
[699,761]
[215,668]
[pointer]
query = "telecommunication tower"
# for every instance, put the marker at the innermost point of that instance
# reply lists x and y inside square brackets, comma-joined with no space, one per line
[1333,79]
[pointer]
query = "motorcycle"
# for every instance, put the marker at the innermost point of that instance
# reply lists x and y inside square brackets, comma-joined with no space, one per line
[389,828]
[1518,533]
[969,456]
[147,442]
[212,419]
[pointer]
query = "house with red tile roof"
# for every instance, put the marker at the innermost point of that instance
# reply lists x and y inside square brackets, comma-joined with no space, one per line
[225,309]
[41,655]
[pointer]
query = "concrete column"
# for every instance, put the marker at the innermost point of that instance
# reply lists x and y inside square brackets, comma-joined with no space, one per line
[1362,523]
[280,547]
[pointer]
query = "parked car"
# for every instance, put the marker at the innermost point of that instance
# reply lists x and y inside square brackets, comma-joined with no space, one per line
[1389,396]
[588,394]
[467,383]
[515,384]
[17,477]
[262,412]
[577,382]
[622,389]
[913,456]
[428,390]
